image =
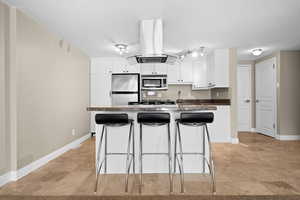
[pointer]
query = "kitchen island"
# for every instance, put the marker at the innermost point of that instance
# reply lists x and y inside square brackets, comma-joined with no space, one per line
[155,138]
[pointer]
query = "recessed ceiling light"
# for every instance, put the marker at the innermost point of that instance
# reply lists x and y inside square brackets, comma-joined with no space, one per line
[195,54]
[257,52]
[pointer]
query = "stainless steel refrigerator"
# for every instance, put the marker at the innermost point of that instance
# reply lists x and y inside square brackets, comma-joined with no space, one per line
[125,88]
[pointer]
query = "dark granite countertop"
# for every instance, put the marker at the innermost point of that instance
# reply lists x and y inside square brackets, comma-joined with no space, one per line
[133,108]
[203,101]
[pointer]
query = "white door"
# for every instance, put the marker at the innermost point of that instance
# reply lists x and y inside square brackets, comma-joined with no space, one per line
[265,75]
[244,97]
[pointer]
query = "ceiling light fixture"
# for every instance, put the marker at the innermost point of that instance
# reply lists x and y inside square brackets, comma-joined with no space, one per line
[202,51]
[121,48]
[257,52]
[181,57]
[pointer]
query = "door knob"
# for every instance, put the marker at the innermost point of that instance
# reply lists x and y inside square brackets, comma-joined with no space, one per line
[257,101]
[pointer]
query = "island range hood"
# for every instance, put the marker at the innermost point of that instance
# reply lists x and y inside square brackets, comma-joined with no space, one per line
[151,44]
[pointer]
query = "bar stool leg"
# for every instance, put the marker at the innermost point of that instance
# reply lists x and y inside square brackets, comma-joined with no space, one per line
[105,149]
[203,149]
[170,161]
[141,159]
[133,149]
[175,151]
[128,161]
[98,168]
[212,167]
[180,164]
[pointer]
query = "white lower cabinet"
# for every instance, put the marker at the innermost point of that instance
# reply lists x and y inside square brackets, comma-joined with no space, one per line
[220,128]
[155,140]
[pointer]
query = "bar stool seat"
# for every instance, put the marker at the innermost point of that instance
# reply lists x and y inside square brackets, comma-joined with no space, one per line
[154,119]
[115,120]
[194,119]
[112,119]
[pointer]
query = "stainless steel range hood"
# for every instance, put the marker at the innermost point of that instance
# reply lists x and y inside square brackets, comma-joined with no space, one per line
[151,44]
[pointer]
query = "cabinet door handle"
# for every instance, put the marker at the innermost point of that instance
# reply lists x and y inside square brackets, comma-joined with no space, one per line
[247,100]
[257,101]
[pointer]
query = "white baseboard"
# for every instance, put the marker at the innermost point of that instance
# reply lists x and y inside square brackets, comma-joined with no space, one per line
[253,130]
[15,175]
[235,140]
[5,178]
[288,137]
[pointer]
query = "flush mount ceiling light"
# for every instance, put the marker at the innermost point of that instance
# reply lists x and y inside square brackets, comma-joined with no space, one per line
[121,48]
[257,52]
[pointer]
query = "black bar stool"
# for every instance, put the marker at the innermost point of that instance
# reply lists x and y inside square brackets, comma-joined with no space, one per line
[154,119]
[194,119]
[115,120]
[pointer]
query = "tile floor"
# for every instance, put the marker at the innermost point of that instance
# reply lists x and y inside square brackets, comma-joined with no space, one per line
[258,165]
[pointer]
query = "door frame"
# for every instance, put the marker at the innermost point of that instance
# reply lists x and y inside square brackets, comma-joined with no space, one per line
[276,85]
[251,95]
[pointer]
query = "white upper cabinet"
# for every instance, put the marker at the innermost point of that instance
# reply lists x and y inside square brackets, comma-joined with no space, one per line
[186,72]
[147,68]
[151,68]
[160,68]
[174,74]
[122,66]
[133,68]
[201,74]
[181,73]
[221,68]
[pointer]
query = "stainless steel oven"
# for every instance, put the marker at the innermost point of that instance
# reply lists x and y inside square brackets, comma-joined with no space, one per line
[154,82]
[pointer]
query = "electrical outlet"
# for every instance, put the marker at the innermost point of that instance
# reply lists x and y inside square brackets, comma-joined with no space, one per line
[73,132]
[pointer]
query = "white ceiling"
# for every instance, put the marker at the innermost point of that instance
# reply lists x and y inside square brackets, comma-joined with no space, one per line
[95,25]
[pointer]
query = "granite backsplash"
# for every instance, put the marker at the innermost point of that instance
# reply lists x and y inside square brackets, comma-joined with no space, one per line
[175,92]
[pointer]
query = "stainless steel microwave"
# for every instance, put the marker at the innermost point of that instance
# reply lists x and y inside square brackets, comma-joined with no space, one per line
[154,82]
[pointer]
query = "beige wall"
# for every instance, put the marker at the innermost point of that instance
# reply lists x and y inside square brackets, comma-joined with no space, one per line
[44,91]
[289,107]
[4,134]
[53,91]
